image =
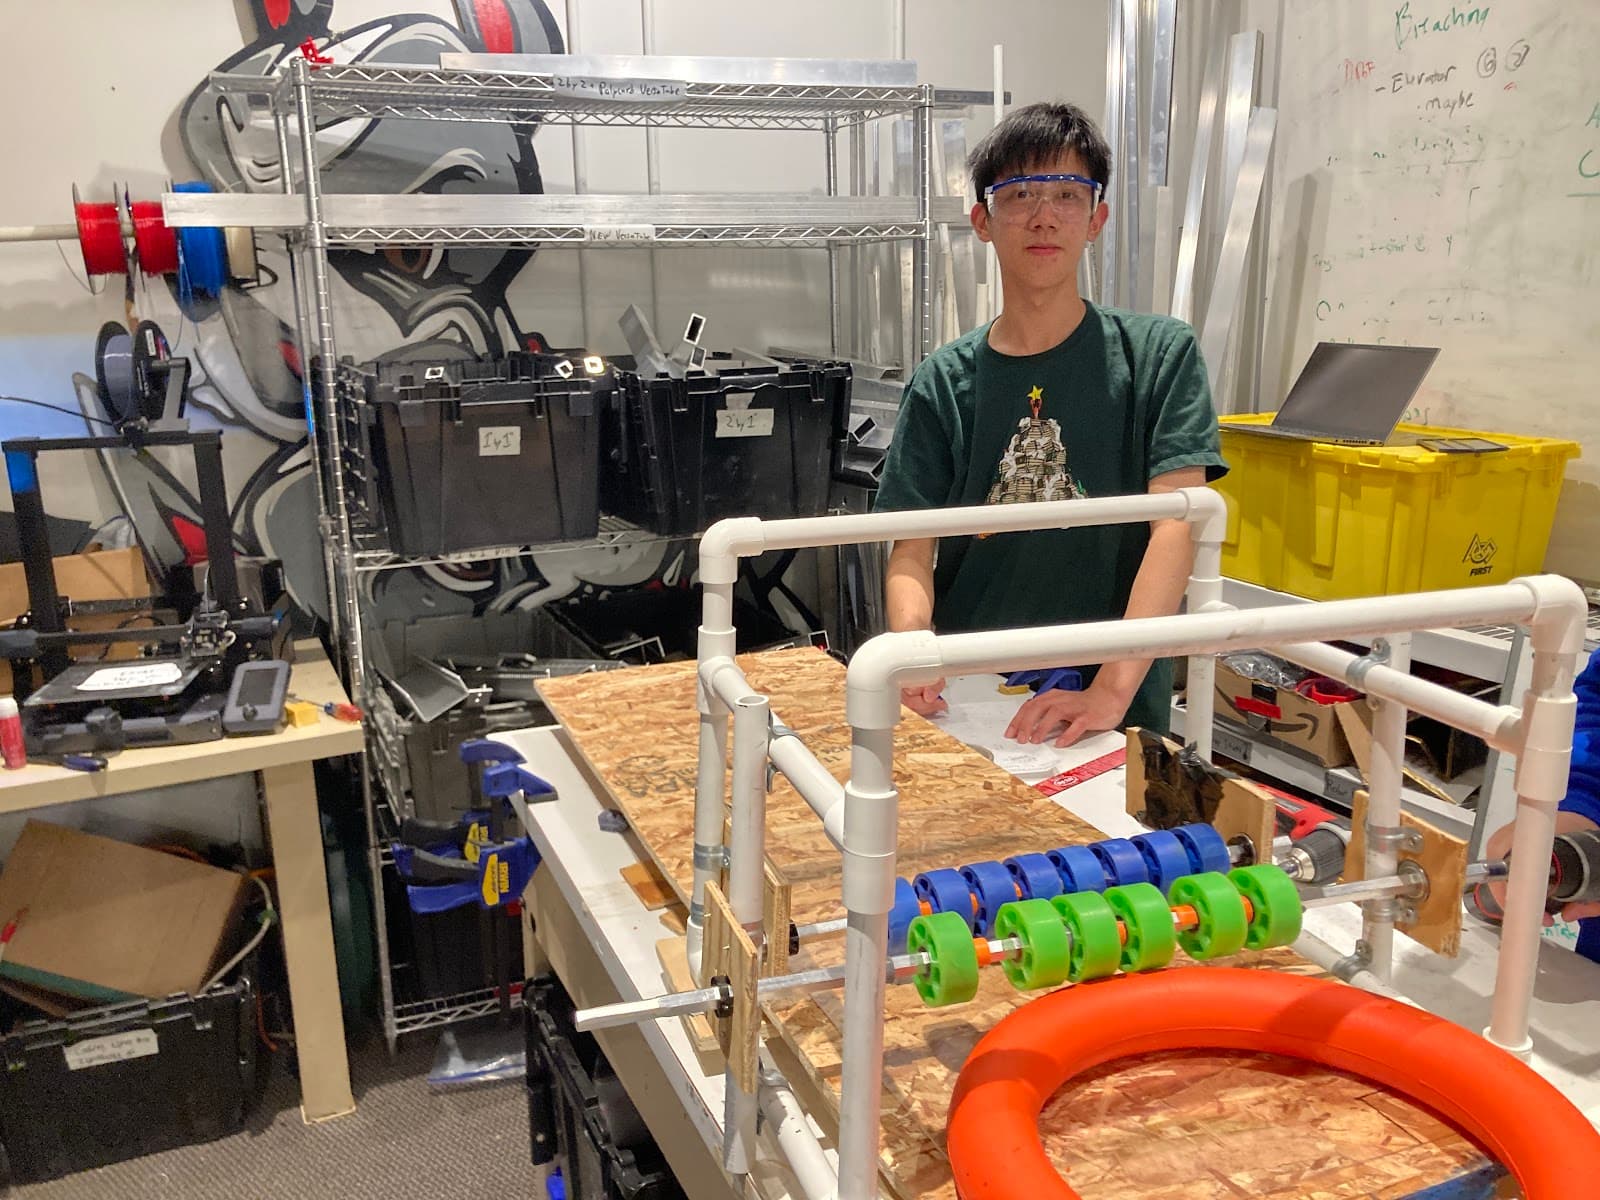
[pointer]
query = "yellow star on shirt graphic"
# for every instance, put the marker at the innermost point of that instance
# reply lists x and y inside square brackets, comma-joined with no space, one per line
[1037,394]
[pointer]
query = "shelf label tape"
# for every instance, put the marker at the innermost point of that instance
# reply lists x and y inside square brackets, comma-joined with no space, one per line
[588,87]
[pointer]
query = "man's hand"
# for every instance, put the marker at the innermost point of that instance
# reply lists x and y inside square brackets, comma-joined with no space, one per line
[1093,710]
[1499,845]
[927,700]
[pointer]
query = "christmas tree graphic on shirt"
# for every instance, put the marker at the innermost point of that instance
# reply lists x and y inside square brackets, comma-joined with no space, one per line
[1034,466]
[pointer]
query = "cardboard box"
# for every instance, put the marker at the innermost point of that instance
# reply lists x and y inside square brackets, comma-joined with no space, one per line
[1283,715]
[100,575]
[106,919]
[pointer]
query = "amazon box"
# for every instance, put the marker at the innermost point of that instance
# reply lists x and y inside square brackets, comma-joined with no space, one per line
[106,920]
[1283,715]
[99,575]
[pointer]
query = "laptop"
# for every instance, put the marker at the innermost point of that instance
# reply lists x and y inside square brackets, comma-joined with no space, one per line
[1351,394]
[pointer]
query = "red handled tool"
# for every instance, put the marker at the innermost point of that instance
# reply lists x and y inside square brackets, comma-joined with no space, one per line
[1084,773]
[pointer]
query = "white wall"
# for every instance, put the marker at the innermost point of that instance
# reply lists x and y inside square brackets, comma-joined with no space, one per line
[101,109]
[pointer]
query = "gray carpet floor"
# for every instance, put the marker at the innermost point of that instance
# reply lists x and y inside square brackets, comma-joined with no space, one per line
[404,1139]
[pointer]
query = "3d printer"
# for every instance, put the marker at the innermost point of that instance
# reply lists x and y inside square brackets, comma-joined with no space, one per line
[177,691]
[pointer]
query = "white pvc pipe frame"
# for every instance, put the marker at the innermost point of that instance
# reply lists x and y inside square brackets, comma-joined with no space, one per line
[1539,734]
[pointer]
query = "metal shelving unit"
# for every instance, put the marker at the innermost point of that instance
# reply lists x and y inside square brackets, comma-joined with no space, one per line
[313,223]
[769,219]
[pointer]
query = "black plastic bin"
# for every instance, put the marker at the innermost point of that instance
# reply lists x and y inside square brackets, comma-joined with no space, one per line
[472,454]
[725,441]
[127,1079]
[578,1110]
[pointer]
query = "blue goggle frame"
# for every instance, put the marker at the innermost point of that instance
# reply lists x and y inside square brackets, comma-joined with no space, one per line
[988,192]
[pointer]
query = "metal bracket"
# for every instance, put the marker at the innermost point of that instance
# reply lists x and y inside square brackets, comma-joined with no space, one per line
[1381,908]
[1351,965]
[710,858]
[1378,656]
[1398,838]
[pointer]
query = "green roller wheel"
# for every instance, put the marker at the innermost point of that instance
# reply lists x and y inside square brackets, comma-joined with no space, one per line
[1221,913]
[951,976]
[1096,939]
[1046,958]
[1143,911]
[1275,900]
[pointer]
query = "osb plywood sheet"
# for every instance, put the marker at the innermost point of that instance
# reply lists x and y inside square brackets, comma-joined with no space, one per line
[638,730]
[1199,1126]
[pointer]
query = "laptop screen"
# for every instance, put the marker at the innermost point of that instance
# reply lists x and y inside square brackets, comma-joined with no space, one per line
[1354,392]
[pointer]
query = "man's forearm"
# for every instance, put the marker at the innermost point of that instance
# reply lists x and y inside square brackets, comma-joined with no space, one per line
[1157,592]
[909,586]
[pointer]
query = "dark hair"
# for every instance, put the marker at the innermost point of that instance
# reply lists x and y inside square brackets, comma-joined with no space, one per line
[1035,135]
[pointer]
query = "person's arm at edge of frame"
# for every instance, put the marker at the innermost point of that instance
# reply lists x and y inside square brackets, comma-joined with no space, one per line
[909,588]
[1157,591]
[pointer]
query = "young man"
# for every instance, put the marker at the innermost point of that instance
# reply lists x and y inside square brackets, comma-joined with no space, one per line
[1055,399]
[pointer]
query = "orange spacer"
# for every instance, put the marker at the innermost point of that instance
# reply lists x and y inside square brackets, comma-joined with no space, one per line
[993,1134]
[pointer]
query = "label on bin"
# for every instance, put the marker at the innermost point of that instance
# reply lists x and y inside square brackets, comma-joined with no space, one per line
[115,1047]
[738,419]
[496,441]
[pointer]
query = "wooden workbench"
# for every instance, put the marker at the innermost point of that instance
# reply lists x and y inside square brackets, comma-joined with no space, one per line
[283,762]
[1192,1126]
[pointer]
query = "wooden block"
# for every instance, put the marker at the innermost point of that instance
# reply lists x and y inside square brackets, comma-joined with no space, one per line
[713,937]
[737,960]
[673,955]
[775,906]
[649,885]
[1234,807]
[1444,858]
[1133,774]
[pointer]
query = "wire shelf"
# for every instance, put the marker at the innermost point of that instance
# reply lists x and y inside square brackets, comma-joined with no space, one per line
[614,533]
[777,234]
[450,1010]
[431,93]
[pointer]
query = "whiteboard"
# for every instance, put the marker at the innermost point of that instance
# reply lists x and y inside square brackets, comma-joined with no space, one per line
[1436,182]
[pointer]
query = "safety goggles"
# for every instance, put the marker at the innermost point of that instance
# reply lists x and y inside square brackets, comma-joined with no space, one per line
[1017,199]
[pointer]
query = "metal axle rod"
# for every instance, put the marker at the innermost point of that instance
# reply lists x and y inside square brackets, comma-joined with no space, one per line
[706,999]
[1411,884]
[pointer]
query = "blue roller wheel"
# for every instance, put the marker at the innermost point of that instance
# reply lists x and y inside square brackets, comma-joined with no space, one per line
[1121,861]
[1207,849]
[946,890]
[992,884]
[907,908]
[1165,857]
[1036,875]
[1079,869]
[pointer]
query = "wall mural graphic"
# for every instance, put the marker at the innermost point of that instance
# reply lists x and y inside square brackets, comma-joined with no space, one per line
[397,303]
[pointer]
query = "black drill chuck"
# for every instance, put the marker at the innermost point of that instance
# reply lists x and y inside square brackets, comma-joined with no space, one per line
[1575,869]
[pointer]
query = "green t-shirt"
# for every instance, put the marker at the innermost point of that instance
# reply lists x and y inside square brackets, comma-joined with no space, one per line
[1123,399]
